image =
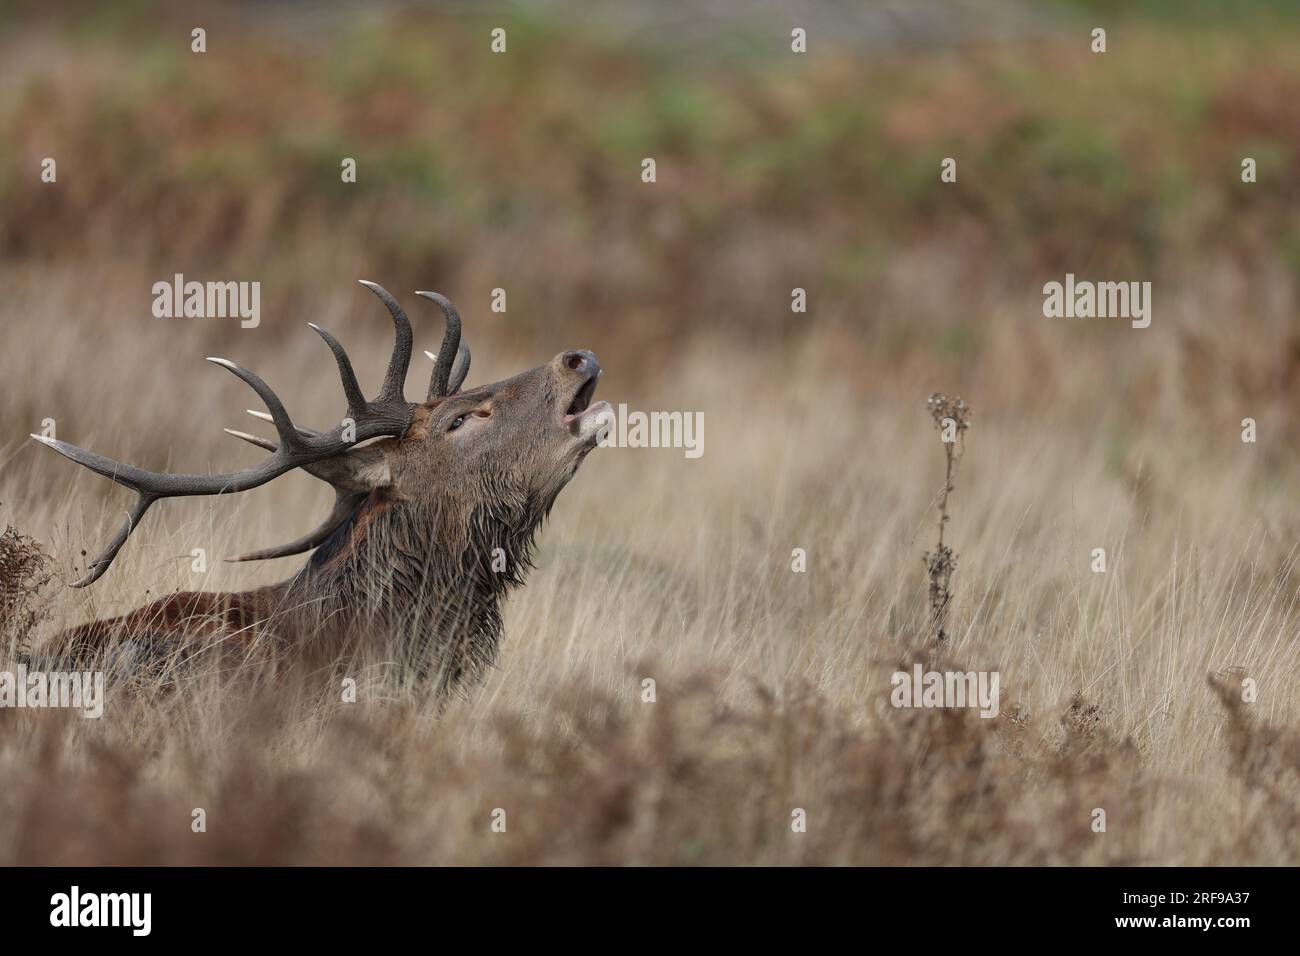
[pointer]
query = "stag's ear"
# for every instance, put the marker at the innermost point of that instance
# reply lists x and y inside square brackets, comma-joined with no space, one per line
[353,473]
[357,470]
[360,470]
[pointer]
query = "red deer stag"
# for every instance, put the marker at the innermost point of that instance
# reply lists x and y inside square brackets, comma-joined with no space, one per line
[432,524]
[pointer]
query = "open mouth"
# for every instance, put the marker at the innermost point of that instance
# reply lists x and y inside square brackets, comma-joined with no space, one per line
[583,419]
[581,400]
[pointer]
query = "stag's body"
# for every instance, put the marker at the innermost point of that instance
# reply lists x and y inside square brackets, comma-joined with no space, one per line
[375,585]
[432,526]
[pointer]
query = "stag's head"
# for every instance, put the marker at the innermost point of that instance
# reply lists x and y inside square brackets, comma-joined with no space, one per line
[492,457]
[509,446]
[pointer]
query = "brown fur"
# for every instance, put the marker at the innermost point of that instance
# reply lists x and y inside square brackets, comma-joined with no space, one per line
[420,567]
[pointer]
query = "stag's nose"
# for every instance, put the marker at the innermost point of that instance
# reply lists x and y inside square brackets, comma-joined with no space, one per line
[582,362]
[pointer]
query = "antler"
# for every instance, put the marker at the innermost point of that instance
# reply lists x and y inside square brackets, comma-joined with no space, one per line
[388,415]
[353,474]
[443,382]
[458,371]
[356,473]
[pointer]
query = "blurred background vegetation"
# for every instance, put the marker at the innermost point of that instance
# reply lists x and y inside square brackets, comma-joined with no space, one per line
[774,170]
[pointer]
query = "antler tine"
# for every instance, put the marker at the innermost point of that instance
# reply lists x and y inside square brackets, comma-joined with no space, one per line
[279,417]
[356,400]
[344,504]
[395,378]
[305,432]
[253,439]
[447,351]
[459,371]
[101,563]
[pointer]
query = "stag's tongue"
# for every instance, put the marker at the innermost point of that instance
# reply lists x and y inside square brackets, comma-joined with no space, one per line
[591,420]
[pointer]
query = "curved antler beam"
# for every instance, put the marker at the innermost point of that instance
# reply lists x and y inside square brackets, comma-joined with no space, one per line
[388,415]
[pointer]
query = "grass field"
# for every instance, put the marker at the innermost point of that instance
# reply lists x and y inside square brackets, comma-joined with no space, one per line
[1120,690]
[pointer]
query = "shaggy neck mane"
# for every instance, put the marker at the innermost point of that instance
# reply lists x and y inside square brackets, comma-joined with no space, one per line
[423,577]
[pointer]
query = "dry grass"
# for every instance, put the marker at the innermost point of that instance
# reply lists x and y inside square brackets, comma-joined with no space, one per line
[772,686]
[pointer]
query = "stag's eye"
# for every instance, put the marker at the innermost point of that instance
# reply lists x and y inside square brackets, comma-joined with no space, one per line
[460,420]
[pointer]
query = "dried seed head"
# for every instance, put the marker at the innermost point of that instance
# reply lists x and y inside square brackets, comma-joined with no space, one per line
[943,408]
